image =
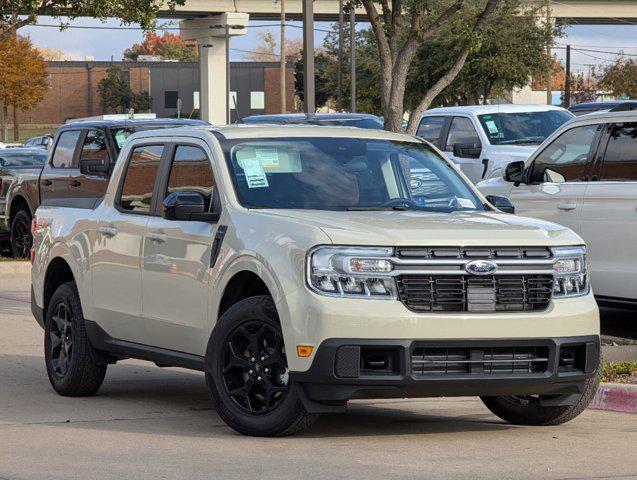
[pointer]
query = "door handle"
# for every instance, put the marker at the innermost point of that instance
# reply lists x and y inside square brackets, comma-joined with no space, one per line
[156,237]
[75,183]
[46,182]
[107,231]
[567,206]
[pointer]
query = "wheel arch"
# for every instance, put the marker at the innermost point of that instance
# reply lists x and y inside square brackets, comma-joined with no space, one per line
[16,203]
[57,273]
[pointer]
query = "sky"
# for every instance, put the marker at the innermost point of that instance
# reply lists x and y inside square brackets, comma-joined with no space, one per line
[104,44]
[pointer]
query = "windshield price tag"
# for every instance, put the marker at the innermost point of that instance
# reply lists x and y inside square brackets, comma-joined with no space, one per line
[465,203]
[255,176]
[268,156]
[493,128]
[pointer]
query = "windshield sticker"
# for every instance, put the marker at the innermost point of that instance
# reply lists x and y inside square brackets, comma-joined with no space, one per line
[493,128]
[120,137]
[465,203]
[255,175]
[268,156]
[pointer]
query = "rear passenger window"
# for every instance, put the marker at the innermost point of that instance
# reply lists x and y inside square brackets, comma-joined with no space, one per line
[139,180]
[65,148]
[430,129]
[95,147]
[620,161]
[191,172]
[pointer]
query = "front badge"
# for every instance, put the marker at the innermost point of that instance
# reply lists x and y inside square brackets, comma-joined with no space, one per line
[481,267]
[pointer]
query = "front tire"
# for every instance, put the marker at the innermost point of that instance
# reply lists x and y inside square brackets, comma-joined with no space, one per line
[247,374]
[21,237]
[67,354]
[527,410]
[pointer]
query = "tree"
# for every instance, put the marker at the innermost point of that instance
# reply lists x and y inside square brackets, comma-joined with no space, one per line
[15,14]
[621,78]
[322,89]
[116,94]
[23,79]
[51,55]
[167,46]
[400,29]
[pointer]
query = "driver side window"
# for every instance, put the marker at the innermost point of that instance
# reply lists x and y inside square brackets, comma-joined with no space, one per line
[564,160]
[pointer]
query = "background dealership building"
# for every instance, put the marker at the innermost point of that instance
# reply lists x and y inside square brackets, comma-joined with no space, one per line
[73,89]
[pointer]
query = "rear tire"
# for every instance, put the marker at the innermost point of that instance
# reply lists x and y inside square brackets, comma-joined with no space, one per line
[247,374]
[527,410]
[21,237]
[67,352]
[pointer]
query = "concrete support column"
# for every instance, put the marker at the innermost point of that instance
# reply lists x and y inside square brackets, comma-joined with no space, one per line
[212,35]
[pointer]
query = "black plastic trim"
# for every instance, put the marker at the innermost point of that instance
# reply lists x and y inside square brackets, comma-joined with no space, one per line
[216,244]
[37,312]
[102,341]
[322,385]
[616,302]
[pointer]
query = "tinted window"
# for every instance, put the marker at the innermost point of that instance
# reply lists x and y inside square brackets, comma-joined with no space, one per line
[191,171]
[139,180]
[461,131]
[170,99]
[21,159]
[95,146]
[345,173]
[564,160]
[620,161]
[65,148]
[430,128]
[523,128]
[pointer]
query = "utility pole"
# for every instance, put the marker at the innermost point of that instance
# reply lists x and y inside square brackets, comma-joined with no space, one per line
[352,58]
[309,91]
[282,78]
[567,81]
[340,56]
[549,93]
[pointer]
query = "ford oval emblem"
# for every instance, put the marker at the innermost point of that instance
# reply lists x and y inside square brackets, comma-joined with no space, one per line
[481,267]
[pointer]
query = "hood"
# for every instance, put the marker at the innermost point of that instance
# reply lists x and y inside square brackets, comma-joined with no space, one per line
[396,228]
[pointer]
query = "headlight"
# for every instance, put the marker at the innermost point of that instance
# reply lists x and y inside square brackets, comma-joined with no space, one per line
[571,279]
[359,272]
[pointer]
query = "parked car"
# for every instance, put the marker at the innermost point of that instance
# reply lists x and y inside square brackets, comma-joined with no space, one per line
[17,165]
[43,141]
[612,106]
[360,120]
[483,139]
[9,145]
[294,267]
[76,172]
[585,177]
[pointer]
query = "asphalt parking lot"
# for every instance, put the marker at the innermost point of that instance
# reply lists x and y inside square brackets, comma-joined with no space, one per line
[158,424]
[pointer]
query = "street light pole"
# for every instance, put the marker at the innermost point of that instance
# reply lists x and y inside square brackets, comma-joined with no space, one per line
[352,58]
[308,57]
[282,77]
[567,80]
[340,56]
[549,93]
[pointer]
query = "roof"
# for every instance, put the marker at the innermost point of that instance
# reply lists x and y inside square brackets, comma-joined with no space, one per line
[301,117]
[490,109]
[131,123]
[24,150]
[598,105]
[605,117]
[245,131]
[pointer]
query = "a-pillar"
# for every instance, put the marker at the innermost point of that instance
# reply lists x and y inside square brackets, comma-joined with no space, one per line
[212,35]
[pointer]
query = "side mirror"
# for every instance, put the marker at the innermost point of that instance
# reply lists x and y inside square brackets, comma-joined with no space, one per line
[514,172]
[467,150]
[93,166]
[501,203]
[188,206]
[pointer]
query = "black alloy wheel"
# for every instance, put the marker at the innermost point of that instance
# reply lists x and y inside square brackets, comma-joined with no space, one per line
[255,372]
[61,334]
[21,238]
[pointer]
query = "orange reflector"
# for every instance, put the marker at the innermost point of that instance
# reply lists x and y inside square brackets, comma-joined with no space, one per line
[304,350]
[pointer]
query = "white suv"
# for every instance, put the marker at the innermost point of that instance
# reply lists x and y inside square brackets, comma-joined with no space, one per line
[483,139]
[585,177]
[298,269]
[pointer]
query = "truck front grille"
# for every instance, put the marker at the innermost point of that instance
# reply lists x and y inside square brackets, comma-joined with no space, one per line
[436,361]
[467,293]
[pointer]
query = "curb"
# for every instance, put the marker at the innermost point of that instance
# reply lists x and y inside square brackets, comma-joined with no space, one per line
[616,397]
[14,268]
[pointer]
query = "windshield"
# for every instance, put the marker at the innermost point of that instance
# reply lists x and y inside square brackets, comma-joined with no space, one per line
[22,159]
[524,128]
[335,173]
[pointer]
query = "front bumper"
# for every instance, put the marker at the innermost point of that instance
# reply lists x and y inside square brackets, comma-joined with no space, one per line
[345,369]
